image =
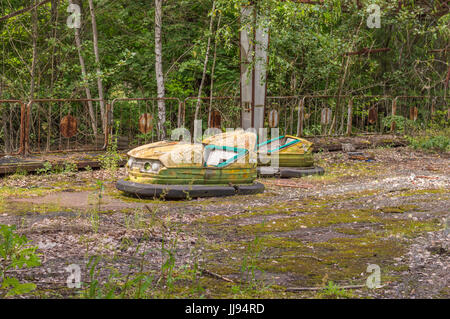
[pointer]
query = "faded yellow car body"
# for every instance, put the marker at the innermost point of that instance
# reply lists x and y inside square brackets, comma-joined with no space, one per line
[184,163]
[299,154]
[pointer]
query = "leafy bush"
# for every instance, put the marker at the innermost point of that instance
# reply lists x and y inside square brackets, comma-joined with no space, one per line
[111,160]
[402,124]
[432,142]
[15,252]
[46,169]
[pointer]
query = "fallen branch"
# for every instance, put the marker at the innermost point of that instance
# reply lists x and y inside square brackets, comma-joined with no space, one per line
[214,275]
[297,289]
[296,256]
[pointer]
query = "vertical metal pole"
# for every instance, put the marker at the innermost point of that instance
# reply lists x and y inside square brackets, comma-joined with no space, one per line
[301,115]
[107,125]
[394,111]
[350,117]
[23,114]
[27,129]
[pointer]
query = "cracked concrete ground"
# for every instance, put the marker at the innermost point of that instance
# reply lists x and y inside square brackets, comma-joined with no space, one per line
[301,233]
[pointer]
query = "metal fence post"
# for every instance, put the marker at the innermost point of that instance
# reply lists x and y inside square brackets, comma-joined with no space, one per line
[26,144]
[107,125]
[350,117]
[394,111]
[301,114]
[23,114]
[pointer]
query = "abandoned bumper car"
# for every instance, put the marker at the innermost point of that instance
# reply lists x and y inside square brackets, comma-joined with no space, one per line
[287,156]
[222,165]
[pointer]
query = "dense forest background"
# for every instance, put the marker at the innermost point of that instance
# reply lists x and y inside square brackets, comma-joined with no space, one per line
[307,45]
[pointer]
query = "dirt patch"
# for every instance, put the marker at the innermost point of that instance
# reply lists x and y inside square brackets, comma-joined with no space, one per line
[301,232]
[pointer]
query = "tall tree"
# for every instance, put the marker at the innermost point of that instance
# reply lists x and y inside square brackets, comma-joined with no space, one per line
[205,64]
[84,72]
[34,34]
[159,70]
[97,61]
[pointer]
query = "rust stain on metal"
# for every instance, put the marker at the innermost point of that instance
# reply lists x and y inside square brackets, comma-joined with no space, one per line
[146,123]
[326,116]
[373,115]
[68,126]
[413,113]
[216,119]
[273,118]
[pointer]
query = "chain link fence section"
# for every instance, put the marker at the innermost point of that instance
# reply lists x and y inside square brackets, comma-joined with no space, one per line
[134,121]
[12,127]
[283,112]
[370,114]
[64,125]
[323,115]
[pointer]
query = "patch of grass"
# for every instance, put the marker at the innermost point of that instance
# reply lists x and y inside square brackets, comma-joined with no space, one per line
[432,141]
[398,209]
[332,291]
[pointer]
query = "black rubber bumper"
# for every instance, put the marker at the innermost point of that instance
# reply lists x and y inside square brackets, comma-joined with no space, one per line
[289,172]
[186,191]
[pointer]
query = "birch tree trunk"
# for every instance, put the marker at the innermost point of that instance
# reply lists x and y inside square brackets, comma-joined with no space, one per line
[159,71]
[34,19]
[213,69]
[205,64]
[97,61]
[84,76]
[34,34]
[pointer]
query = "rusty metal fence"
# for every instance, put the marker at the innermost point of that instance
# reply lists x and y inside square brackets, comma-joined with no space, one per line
[12,126]
[369,114]
[413,113]
[63,125]
[133,121]
[216,112]
[323,115]
[282,112]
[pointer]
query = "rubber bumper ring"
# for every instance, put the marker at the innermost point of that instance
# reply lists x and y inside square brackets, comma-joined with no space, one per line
[186,191]
[288,172]
[292,172]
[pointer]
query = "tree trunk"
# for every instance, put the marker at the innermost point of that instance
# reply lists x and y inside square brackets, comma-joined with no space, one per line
[213,69]
[345,66]
[84,76]
[159,71]
[205,64]
[97,62]
[34,34]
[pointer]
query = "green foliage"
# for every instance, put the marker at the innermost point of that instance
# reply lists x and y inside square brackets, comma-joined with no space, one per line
[15,252]
[65,168]
[20,172]
[70,167]
[332,291]
[110,161]
[250,268]
[47,169]
[433,141]
[312,65]
[402,124]
[138,283]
